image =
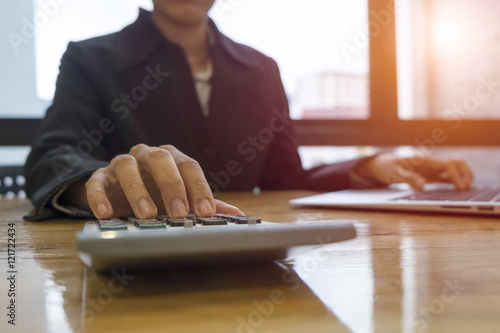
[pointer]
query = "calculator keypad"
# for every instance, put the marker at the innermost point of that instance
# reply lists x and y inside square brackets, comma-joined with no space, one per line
[164,222]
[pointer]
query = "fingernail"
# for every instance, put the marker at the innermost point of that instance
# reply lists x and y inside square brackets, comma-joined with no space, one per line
[102,210]
[145,207]
[205,208]
[178,208]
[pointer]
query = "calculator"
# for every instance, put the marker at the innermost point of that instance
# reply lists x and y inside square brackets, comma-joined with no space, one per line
[195,241]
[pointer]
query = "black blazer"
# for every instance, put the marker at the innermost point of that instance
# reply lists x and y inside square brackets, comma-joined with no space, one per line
[134,86]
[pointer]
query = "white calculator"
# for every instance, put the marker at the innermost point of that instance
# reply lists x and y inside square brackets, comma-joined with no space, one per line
[221,239]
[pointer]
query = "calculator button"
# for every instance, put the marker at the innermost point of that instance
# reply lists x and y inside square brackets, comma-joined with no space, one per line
[212,221]
[150,224]
[232,218]
[113,224]
[246,220]
[179,222]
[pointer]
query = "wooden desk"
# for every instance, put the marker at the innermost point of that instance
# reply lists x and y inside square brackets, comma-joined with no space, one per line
[403,273]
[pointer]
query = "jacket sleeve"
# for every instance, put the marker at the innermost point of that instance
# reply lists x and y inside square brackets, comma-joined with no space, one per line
[283,167]
[69,141]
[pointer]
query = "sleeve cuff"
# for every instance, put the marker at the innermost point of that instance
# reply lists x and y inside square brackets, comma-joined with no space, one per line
[69,210]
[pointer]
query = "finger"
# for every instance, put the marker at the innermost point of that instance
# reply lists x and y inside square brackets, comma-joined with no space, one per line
[198,191]
[406,174]
[96,195]
[455,175]
[127,172]
[160,164]
[467,174]
[415,180]
[434,169]
[456,172]
[225,208]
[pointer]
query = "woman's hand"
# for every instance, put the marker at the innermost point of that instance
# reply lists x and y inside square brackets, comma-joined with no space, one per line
[146,182]
[416,171]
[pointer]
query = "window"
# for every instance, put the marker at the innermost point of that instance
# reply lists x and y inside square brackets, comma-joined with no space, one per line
[448,58]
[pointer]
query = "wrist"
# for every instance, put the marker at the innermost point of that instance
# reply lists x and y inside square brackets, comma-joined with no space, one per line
[76,196]
[364,172]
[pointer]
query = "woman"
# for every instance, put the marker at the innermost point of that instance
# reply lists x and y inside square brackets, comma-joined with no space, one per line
[155,118]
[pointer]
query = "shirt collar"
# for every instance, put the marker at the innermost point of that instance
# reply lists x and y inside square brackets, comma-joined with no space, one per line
[141,39]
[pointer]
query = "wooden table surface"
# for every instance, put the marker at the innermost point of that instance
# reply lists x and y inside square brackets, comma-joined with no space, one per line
[403,273]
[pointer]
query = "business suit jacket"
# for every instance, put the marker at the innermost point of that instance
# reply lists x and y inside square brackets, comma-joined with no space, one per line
[134,86]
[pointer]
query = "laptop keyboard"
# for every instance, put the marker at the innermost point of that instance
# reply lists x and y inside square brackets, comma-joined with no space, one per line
[489,193]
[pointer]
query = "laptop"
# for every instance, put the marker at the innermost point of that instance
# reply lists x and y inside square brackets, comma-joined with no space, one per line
[480,199]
